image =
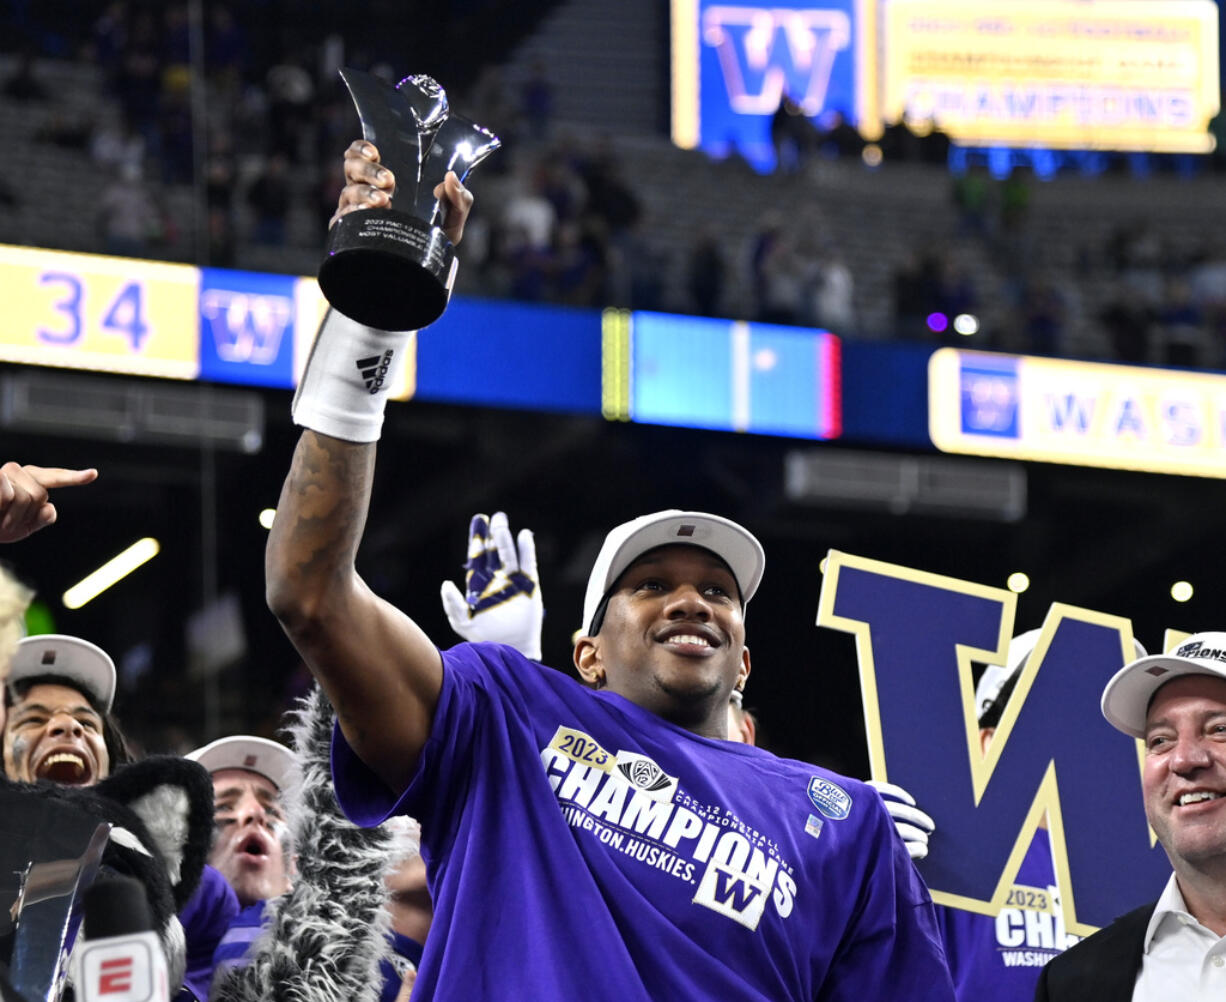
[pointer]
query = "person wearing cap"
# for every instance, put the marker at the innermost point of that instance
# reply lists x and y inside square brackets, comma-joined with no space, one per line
[1175,947]
[249,774]
[250,847]
[60,728]
[599,840]
[58,721]
[502,604]
[1000,956]
[326,936]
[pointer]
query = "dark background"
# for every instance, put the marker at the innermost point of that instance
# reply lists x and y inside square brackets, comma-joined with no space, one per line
[1109,541]
[1105,540]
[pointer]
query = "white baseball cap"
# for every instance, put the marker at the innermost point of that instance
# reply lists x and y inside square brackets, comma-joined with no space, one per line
[1127,696]
[270,759]
[732,543]
[86,665]
[994,677]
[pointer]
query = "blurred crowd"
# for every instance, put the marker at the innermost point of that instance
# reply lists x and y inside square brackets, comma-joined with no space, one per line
[563,215]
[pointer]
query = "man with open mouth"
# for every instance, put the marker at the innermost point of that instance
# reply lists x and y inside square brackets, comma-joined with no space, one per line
[59,725]
[59,728]
[1174,948]
[249,774]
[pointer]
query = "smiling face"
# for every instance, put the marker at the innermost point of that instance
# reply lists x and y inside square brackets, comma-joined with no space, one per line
[673,638]
[1184,778]
[53,733]
[247,847]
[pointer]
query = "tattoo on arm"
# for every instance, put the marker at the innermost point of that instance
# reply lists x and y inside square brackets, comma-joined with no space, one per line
[324,501]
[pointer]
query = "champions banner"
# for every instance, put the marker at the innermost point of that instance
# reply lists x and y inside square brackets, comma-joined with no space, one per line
[1129,75]
[1095,74]
[920,639]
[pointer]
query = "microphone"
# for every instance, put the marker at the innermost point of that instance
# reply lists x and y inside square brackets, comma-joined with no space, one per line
[119,958]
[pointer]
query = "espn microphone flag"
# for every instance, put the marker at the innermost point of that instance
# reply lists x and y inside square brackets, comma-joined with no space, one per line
[120,958]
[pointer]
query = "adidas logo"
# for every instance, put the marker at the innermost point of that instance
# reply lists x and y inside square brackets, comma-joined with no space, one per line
[374,370]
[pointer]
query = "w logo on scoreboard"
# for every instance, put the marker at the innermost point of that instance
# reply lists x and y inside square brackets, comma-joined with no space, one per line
[765,53]
[246,327]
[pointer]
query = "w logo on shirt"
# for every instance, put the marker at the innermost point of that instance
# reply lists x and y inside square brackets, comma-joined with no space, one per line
[732,893]
[765,53]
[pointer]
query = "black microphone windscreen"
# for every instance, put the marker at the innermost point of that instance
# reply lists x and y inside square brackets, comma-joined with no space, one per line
[116,906]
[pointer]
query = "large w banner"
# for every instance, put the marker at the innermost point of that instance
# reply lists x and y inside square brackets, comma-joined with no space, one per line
[918,636]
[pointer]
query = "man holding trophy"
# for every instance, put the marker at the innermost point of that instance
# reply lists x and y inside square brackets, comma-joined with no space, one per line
[598,841]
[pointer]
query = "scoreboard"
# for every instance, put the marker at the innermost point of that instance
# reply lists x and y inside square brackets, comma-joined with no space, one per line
[1106,74]
[148,318]
[1128,75]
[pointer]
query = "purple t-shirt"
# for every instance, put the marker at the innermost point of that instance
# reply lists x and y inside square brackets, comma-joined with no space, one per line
[1000,958]
[205,918]
[580,847]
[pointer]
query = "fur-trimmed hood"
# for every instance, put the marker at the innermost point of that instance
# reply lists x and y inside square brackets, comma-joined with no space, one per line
[322,940]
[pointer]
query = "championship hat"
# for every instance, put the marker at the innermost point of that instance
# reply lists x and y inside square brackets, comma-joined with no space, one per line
[732,543]
[270,759]
[86,665]
[994,677]
[1127,696]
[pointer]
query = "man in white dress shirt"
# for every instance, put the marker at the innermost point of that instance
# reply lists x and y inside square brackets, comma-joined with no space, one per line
[1176,947]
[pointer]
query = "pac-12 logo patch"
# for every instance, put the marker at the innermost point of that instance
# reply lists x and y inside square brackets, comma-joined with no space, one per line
[828,798]
[643,774]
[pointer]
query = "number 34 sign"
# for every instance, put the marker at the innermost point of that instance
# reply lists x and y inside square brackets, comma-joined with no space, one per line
[102,313]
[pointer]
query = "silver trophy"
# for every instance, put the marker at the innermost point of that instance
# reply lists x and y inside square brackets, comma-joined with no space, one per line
[389,268]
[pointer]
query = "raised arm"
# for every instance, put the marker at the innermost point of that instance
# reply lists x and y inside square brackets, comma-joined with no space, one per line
[377,667]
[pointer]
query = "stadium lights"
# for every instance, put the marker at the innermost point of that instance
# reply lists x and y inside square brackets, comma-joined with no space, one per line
[1018,582]
[266,517]
[966,324]
[115,569]
[1181,591]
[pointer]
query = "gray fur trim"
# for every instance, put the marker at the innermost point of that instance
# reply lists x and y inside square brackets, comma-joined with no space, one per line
[165,811]
[323,939]
[175,943]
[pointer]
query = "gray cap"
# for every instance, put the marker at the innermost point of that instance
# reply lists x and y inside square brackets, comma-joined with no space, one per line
[269,759]
[732,543]
[87,665]
[1127,696]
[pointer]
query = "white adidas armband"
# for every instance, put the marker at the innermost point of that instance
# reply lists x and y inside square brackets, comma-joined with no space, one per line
[348,374]
[351,369]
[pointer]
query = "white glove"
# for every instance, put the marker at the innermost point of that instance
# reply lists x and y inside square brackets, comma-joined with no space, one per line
[502,600]
[913,824]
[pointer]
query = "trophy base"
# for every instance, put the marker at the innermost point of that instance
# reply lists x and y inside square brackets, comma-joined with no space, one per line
[386,269]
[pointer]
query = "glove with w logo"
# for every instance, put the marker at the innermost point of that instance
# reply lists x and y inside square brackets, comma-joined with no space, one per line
[501,602]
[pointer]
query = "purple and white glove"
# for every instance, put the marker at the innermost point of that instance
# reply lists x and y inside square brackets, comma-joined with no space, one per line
[914,826]
[502,601]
